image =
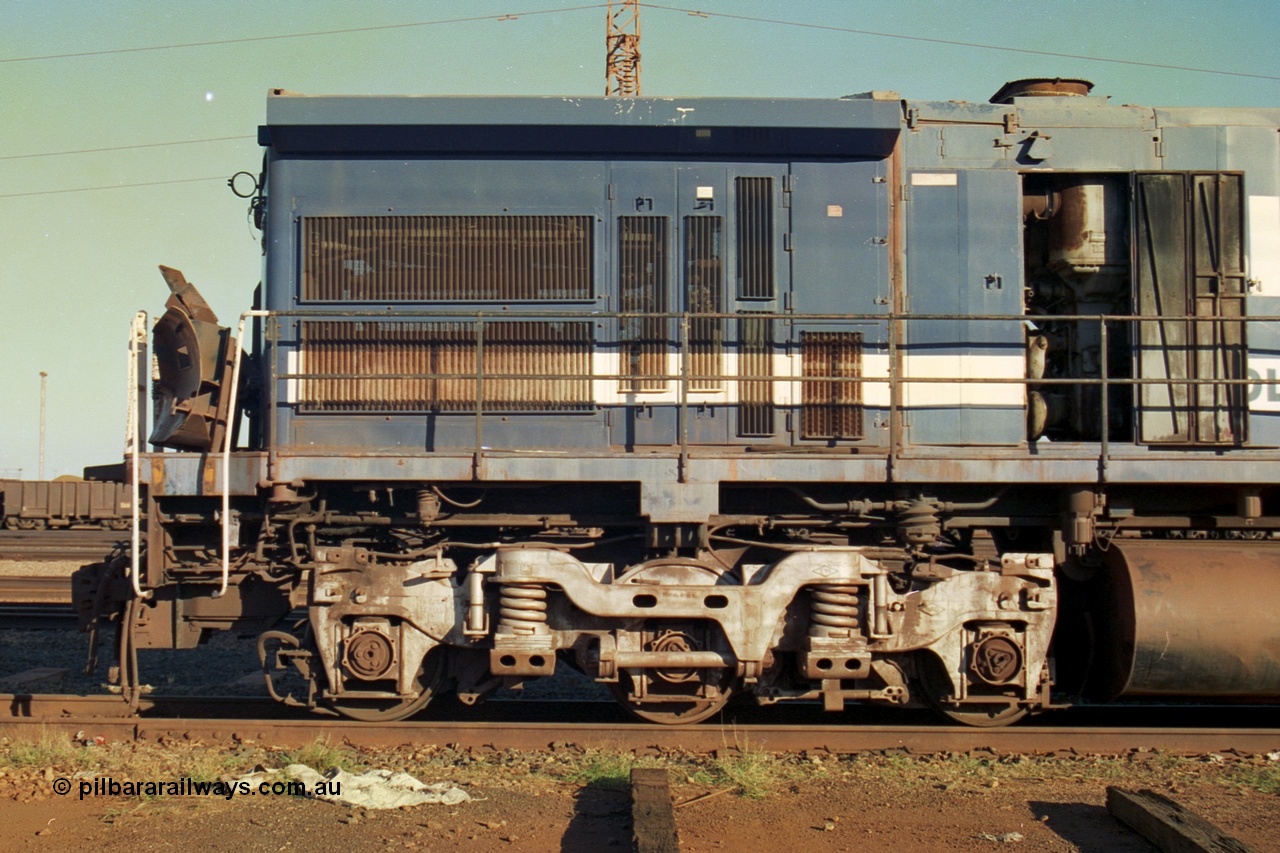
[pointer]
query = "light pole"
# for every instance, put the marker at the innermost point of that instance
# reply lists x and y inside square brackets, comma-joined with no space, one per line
[44,378]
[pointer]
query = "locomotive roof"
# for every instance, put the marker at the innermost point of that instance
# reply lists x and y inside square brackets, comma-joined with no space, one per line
[866,124]
[353,123]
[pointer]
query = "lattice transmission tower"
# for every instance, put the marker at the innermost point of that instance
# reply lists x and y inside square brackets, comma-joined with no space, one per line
[622,41]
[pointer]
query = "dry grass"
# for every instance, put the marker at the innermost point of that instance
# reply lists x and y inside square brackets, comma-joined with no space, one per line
[741,768]
[322,756]
[752,774]
[46,749]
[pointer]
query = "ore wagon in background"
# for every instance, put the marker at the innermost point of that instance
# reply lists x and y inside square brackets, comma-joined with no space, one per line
[66,503]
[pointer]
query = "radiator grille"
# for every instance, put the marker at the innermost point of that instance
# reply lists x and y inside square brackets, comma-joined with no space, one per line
[642,288]
[425,367]
[704,294]
[754,209]
[755,395]
[831,409]
[446,258]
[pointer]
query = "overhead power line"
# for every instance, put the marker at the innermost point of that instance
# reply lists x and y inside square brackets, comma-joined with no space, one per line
[977,45]
[632,5]
[344,31]
[222,178]
[126,147]
[684,10]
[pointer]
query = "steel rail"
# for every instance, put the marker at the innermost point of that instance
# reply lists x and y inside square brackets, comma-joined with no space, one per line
[641,738]
[31,602]
[37,617]
[72,714]
[60,545]
[33,589]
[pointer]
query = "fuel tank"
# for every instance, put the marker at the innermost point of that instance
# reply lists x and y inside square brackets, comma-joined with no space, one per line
[1185,618]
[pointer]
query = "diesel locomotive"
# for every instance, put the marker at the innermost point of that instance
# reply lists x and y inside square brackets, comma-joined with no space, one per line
[862,400]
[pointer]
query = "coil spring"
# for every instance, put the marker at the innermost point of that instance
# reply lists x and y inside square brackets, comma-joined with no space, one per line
[833,610]
[919,523]
[522,609]
[428,506]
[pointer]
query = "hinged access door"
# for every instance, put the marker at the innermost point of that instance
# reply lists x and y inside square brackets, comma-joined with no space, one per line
[697,243]
[1190,263]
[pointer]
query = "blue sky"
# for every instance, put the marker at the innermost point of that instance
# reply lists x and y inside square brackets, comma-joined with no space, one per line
[83,232]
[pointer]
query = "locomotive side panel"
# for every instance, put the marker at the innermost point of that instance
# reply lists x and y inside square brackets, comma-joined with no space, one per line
[662,237]
[844,262]
[392,259]
[964,258]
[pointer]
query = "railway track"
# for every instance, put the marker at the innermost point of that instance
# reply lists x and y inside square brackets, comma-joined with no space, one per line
[36,602]
[516,727]
[35,589]
[37,617]
[86,546]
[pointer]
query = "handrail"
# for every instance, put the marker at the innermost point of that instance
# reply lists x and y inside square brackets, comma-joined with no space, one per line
[888,335]
[682,345]
[479,452]
[893,343]
[682,472]
[133,427]
[895,379]
[1104,415]
[228,432]
[446,312]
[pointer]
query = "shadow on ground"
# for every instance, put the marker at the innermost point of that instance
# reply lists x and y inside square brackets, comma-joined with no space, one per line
[601,821]
[1090,828]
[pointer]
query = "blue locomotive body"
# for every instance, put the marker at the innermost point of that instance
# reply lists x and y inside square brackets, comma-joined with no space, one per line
[852,400]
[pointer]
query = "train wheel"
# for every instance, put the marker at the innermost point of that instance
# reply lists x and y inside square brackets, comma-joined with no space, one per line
[938,692]
[672,695]
[429,681]
[675,695]
[675,707]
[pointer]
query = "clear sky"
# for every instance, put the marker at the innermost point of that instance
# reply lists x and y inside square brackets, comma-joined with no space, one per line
[170,95]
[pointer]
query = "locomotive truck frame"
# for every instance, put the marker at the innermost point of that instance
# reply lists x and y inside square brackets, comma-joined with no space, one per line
[861,400]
